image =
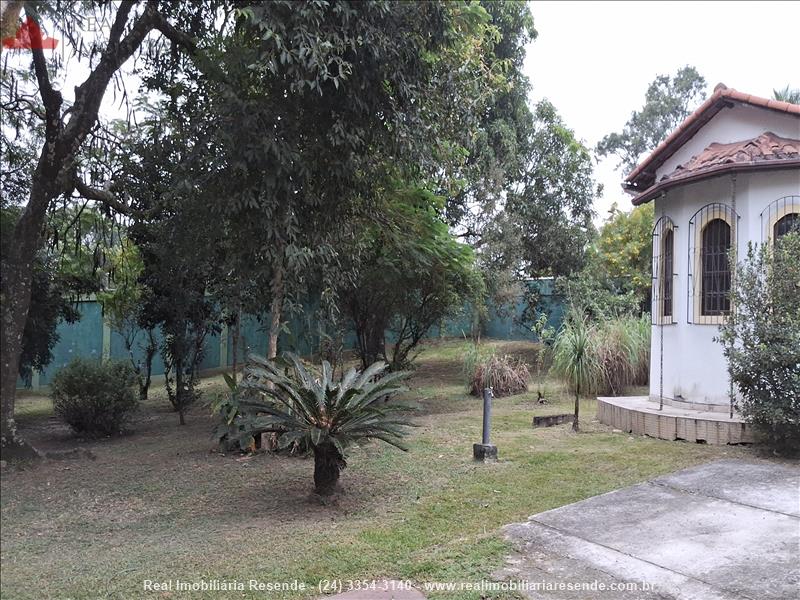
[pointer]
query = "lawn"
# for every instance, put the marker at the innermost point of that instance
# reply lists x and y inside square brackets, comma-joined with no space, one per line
[164,504]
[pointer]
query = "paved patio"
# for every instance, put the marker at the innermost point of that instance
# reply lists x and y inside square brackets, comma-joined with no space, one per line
[727,530]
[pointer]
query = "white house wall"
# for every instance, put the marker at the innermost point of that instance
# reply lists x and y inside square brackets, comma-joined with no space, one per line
[694,367]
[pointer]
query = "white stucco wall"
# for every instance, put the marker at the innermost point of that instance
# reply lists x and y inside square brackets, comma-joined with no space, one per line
[694,367]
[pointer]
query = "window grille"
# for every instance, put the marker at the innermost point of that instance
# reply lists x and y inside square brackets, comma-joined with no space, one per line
[663,270]
[780,217]
[712,233]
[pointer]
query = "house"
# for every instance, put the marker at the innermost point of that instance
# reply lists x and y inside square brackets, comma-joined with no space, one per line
[727,176]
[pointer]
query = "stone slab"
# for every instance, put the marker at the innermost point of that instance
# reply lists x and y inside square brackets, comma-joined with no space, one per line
[726,530]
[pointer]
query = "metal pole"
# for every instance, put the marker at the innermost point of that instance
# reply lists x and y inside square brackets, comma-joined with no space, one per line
[485,450]
[487,414]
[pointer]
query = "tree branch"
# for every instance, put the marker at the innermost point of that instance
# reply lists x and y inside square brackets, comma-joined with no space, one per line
[104,196]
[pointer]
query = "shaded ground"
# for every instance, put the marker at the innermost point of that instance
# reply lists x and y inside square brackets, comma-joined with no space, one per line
[728,530]
[162,503]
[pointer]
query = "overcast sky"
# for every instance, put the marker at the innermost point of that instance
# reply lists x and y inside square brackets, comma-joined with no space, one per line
[594,60]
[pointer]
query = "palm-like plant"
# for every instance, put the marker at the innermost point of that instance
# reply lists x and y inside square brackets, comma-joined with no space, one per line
[317,412]
[572,356]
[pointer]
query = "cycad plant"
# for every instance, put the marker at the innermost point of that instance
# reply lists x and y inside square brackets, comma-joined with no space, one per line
[572,356]
[318,413]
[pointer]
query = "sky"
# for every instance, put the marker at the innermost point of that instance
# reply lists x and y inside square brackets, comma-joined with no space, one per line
[594,60]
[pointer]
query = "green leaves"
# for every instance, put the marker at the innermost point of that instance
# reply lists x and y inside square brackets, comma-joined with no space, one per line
[309,405]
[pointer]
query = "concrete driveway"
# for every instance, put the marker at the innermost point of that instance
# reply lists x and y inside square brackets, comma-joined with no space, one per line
[724,530]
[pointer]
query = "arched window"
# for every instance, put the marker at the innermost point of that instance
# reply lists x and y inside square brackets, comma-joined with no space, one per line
[712,234]
[779,218]
[668,253]
[663,292]
[785,224]
[716,269]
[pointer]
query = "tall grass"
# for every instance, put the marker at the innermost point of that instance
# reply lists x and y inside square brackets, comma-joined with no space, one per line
[617,353]
[505,374]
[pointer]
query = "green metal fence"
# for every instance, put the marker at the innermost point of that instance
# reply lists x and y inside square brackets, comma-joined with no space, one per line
[91,336]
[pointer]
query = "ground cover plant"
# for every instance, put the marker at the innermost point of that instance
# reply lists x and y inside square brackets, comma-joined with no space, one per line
[165,503]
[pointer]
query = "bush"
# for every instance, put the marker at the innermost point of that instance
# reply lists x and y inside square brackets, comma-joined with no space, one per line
[761,341]
[506,375]
[93,397]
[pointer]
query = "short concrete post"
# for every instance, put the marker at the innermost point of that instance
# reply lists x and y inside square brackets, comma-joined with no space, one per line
[485,450]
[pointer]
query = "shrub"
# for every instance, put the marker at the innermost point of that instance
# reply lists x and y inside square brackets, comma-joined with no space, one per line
[506,375]
[761,341]
[93,397]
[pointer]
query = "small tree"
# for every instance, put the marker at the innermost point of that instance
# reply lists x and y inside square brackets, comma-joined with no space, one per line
[761,340]
[315,411]
[572,356]
[122,311]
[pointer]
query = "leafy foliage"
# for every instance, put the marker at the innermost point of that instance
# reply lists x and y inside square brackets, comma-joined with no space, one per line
[787,94]
[122,310]
[95,398]
[315,411]
[624,249]
[761,340]
[668,101]
[409,274]
[572,358]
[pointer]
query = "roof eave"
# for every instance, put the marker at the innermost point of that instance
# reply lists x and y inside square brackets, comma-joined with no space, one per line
[663,186]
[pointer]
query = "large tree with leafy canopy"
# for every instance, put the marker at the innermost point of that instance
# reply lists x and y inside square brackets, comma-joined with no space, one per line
[668,101]
[310,133]
[69,124]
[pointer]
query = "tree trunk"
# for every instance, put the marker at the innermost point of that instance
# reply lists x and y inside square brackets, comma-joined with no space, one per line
[235,341]
[575,426]
[16,298]
[276,308]
[149,353]
[328,463]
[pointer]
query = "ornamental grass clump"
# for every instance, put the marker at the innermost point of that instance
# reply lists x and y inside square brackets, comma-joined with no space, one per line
[505,374]
[617,353]
[314,411]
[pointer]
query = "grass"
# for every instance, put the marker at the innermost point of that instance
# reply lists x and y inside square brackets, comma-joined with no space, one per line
[162,504]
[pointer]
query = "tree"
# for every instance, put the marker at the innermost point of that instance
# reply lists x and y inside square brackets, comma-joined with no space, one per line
[408,274]
[179,252]
[318,108]
[787,94]
[572,356]
[668,101]
[122,310]
[624,250]
[761,340]
[58,169]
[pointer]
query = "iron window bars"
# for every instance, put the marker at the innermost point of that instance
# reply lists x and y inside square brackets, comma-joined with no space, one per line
[663,272]
[712,233]
[780,217]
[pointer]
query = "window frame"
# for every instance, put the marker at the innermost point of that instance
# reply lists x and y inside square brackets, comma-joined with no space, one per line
[700,220]
[663,226]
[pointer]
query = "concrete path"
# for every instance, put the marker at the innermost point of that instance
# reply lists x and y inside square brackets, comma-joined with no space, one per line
[727,530]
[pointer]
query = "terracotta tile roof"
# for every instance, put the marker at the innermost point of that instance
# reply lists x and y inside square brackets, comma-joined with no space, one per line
[767,151]
[643,176]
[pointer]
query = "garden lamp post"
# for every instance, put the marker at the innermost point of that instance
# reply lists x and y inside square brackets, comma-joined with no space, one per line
[485,450]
